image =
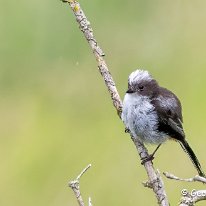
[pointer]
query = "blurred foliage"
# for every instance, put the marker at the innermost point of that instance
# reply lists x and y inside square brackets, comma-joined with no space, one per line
[56,114]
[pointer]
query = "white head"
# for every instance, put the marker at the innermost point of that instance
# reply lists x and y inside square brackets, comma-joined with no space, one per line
[139,76]
[142,83]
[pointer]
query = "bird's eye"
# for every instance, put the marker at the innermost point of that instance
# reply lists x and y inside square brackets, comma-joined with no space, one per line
[141,87]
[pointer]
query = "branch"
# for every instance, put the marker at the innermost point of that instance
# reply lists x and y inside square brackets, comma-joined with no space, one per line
[74,184]
[154,179]
[192,179]
[190,198]
[90,201]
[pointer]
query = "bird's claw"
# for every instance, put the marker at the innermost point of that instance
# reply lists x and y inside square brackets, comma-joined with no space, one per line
[126,130]
[146,159]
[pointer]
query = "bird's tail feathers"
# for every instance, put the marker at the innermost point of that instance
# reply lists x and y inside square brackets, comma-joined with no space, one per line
[186,147]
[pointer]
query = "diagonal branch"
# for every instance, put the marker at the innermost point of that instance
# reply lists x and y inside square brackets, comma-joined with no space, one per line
[154,178]
[74,184]
[85,27]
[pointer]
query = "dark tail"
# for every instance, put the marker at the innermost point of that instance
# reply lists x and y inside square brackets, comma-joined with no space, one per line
[192,156]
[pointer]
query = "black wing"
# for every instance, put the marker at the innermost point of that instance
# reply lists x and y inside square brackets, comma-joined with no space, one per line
[169,111]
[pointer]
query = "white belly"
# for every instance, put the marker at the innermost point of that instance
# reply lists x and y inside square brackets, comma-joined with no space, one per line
[140,117]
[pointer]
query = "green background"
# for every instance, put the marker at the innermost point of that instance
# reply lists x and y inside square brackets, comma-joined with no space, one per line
[55,112]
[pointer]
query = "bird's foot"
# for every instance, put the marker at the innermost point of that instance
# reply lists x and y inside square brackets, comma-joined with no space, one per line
[126,130]
[151,156]
[146,159]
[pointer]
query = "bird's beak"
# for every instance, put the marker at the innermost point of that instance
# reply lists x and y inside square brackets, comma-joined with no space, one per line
[130,91]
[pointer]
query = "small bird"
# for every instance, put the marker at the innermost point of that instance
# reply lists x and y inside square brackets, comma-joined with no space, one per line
[154,114]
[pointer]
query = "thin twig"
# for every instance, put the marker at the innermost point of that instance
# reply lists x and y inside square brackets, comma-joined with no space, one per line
[90,201]
[84,25]
[83,171]
[190,198]
[74,184]
[192,179]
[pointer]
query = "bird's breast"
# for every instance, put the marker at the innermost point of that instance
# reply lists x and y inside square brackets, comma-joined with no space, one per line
[140,117]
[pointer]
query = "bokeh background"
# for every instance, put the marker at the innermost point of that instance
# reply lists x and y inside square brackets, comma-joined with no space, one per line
[55,112]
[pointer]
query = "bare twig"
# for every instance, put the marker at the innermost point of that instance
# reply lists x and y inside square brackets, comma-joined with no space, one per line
[192,179]
[83,171]
[90,201]
[84,25]
[190,198]
[74,184]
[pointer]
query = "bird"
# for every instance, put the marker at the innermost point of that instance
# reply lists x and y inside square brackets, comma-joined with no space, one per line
[153,114]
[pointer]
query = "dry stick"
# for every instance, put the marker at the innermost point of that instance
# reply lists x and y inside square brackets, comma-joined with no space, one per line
[154,178]
[90,201]
[193,179]
[74,184]
[189,199]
